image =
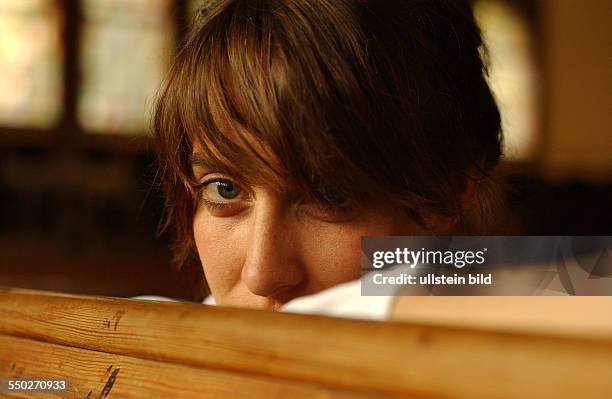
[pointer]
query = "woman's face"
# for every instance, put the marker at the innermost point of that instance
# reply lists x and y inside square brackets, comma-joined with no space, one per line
[260,248]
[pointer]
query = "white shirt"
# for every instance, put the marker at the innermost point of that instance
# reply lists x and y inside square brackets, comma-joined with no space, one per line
[343,300]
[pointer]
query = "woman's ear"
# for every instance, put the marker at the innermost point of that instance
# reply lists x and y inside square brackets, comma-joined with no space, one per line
[465,186]
[438,223]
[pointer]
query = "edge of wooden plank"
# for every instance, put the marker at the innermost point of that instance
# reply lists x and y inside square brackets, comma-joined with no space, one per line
[399,358]
[93,374]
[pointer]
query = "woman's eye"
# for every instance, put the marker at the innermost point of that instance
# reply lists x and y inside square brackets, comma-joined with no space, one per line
[332,207]
[221,190]
[334,198]
[222,197]
[330,213]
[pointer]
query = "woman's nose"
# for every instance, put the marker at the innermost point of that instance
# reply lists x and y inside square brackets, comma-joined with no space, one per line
[272,265]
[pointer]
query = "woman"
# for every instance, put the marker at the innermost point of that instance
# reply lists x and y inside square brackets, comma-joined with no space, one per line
[288,129]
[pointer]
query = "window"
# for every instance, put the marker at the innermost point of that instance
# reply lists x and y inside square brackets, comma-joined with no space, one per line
[513,74]
[73,67]
[31,63]
[125,49]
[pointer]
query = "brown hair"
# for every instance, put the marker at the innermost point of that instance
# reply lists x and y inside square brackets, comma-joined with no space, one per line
[353,98]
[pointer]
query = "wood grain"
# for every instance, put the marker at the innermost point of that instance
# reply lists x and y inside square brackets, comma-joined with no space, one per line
[406,359]
[94,374]
[577,316]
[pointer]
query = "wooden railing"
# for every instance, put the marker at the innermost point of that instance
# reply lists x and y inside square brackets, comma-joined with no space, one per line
[122,348]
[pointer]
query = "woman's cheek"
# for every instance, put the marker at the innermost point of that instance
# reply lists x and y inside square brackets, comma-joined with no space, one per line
[331,256]
[333,253]
[218,245]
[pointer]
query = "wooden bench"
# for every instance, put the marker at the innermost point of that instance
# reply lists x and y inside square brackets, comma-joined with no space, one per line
[122,348]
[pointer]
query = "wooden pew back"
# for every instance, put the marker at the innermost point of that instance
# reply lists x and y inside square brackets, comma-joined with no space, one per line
[122,348]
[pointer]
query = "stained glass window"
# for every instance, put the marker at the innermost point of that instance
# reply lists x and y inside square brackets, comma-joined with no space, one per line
[512,74]
[30,63]
[126,47]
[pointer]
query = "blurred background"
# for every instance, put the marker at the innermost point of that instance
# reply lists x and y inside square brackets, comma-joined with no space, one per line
[79,212]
